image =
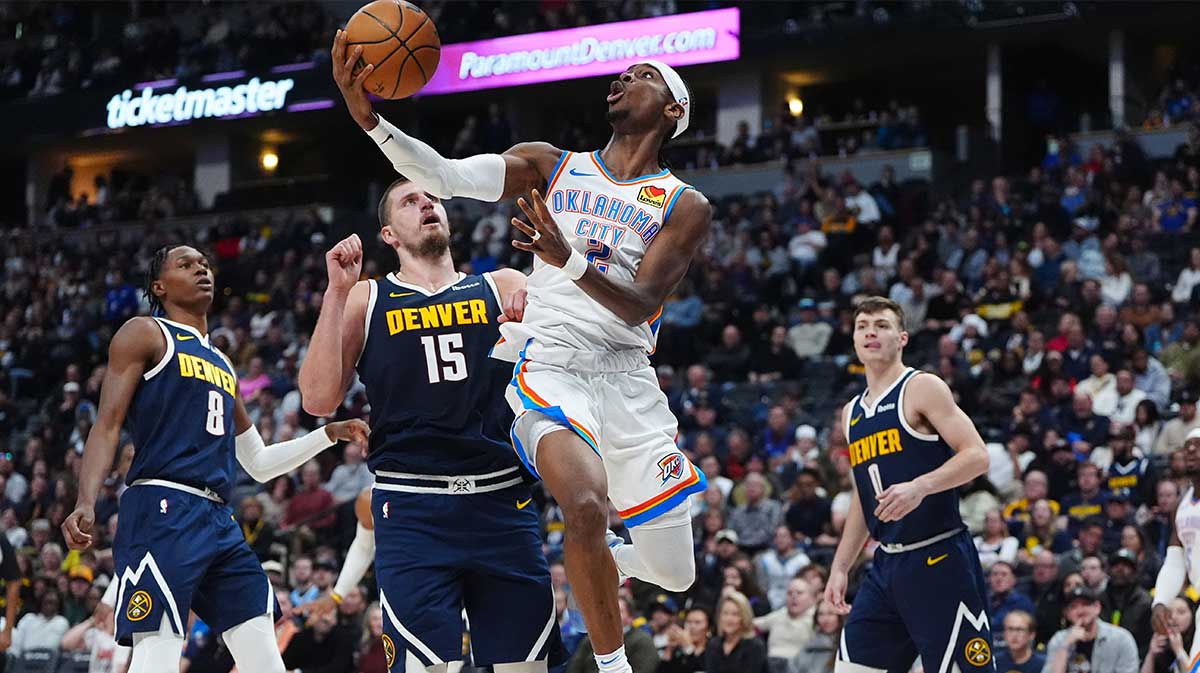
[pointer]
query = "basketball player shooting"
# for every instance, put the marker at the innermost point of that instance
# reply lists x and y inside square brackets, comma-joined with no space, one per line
[1181,564]
[911,447]
[612,233]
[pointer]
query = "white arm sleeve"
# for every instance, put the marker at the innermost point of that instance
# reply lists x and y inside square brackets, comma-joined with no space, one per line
[267,462]
[1170,577]
[358,559]
[478,177]
[110,594]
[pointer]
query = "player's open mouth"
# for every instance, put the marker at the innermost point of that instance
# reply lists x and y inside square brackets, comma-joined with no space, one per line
[204,284]
[615,91]
[432,219]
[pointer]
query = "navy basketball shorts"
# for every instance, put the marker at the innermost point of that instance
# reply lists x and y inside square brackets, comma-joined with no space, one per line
[438,554]
[176,551]
[929,601]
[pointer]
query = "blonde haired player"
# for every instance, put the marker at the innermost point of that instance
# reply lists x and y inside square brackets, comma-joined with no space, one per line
[613,233]
[1182,563]
[911,447]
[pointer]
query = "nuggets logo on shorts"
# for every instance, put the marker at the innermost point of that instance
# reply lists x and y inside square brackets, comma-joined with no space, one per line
[652,196]
[389,650]
[977,652]
[139,606]
[671,467]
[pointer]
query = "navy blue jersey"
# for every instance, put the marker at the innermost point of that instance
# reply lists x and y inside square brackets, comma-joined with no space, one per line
[182,414]
[437,398]
[885,450]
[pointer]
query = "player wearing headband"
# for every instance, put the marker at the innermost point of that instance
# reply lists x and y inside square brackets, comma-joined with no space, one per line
[613,232]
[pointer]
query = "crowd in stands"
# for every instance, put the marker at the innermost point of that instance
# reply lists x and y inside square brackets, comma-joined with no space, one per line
[1058,305]
[55,47]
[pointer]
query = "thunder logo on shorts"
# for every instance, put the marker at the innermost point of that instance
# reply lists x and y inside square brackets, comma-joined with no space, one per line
[671,467]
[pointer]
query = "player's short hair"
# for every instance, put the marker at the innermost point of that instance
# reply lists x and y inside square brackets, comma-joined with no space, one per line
[872,305]
[382,209]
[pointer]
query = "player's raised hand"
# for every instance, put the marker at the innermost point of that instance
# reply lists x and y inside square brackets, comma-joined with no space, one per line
[77,529]
[898,500]
[351,85]
[835,591]
[353,430]
[514,306]
[343,263]
[547,241]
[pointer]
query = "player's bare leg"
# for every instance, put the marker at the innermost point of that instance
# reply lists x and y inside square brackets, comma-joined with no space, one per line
[576,479]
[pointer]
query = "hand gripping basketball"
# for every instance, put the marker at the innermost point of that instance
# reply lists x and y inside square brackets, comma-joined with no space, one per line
[351,85]
[546,241]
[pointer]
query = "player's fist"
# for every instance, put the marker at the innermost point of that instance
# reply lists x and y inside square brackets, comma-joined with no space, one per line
[77,529]
[1160,618]
[514,306]
[353,430]
[835,591]
[343,263]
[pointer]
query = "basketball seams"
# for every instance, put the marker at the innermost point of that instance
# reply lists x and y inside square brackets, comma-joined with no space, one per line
[423,31]
[386,27]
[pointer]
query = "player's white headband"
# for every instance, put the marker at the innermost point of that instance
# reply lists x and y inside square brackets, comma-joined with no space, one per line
[678,91]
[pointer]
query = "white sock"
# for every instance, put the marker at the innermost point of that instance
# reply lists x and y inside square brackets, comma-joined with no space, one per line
[613,662]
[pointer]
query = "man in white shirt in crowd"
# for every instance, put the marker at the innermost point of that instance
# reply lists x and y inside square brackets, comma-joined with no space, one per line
[791,627]
[351,477]
[1176,430]
[859,199]
[810,336]
[778,565]
[1128,398]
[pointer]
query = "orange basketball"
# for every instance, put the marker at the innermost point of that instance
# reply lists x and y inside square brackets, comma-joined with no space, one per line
[401,41]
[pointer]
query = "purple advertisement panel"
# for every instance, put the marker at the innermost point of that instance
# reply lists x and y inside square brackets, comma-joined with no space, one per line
[605,49]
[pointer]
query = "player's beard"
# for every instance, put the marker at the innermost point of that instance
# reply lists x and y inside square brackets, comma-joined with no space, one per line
[614,115]
[432,246]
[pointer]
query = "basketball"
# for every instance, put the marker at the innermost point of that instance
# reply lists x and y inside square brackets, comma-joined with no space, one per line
[401,41]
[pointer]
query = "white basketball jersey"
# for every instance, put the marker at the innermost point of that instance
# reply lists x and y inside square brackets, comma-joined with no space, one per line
[611,223]
[1187,525]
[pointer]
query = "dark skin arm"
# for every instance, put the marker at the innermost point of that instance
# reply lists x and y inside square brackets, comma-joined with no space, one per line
[662,268]
[526,165]
[136,345]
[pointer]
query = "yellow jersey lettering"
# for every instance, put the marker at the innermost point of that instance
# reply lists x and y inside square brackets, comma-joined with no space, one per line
[429,316]
[874,445]
[478,311]
[185,366]
[410,319]
[394,322]
[1122,482]
[445,313]
[461,317]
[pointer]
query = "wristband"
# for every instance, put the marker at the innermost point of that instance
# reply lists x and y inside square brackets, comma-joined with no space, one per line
[337,598]
[576,265]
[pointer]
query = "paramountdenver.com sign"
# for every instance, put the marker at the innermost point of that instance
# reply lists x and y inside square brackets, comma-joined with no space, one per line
[184,104]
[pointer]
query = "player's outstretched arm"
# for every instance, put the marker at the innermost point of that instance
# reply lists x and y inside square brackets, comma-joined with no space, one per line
[338,338]
[264,462]
[662,268]
[929,399]
[358,559]
[487,177]
[133,347]
[1169,582]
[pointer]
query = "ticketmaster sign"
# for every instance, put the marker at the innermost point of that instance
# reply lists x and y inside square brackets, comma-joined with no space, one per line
[151,106]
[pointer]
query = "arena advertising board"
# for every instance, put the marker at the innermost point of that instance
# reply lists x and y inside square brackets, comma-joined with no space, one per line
[604,49]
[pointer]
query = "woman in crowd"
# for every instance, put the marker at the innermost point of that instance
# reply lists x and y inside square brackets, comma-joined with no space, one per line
[686,646]
[739,580]
[1134,539]
[1042,532]
[995,544]
[735,648]
[1169,653]
[818,655]
[1148,424]
[371,656]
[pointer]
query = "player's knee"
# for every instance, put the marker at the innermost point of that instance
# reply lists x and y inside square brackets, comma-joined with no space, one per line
[676,575]
[585,513]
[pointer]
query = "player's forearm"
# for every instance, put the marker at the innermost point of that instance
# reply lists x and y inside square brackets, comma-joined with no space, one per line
[854,536]
[964,466]
[321,376]
[477,177]
[630,302]
[12,595]
[358,559]
[98,455]
[264,463]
